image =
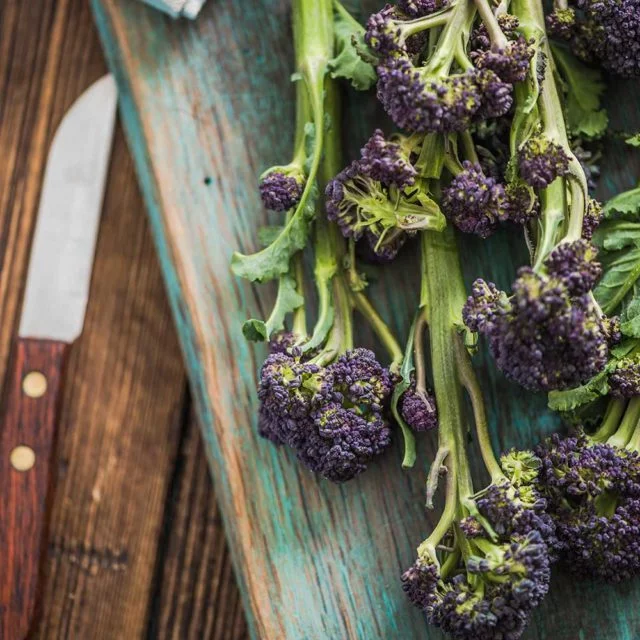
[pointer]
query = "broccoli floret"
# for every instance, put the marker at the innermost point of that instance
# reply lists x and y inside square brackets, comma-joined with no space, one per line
[373,198]
[606,31]
[546,335]
[486,564]
[592,485]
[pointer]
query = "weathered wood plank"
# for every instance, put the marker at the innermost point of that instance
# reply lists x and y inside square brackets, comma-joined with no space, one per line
[122,417]
[212,99]
[196,595]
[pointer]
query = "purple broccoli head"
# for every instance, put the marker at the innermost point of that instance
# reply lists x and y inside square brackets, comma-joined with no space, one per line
[474,202]
[333,416]
[576,265]
[384,161]
[510,63]
[624,380]
[541,161]
[542,337]
[592,218]
[418,409]
[593,492]
[419,8]
[610,33]
[281,191]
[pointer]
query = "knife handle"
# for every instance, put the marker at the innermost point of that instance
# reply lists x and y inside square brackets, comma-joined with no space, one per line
[27,433]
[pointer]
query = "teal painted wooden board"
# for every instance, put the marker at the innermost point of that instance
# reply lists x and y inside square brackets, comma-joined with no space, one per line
[207,106]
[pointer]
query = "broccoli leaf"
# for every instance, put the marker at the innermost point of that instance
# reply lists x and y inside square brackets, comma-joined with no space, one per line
[347,63]
[268,234]
[584,89]
[571,399]
[634,141]
[613,235]
[630,314]
[406,370]
[621,271]
[273,260]
[627,202]
[287,301]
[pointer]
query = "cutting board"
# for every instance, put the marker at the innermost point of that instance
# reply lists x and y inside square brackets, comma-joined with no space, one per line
[207,105]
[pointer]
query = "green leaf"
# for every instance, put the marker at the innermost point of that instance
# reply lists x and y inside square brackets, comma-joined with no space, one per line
[621,271]
[584,89]
[406,370]
[634,141]
[268,234]
[571,399]
[287,301]
[348,64]
[627,202]
[613,235]
[630,317]
[273,260]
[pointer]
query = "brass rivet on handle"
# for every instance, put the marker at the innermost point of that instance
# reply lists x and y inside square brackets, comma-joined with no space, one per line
[34,384]
[22,458]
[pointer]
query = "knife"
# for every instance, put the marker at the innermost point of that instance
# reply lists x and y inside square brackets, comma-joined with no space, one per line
[53,313]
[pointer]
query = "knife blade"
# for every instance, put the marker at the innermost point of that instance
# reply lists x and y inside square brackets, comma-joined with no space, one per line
[55,301]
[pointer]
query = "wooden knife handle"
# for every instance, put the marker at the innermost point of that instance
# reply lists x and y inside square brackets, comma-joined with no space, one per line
[27,433]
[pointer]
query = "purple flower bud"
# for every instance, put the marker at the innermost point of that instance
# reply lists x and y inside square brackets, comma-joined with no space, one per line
[575,263]
[280,191]
[541,161]
[592,218]
[561,23]
[510,63]
[418,409]
[624,381]
[385,162]
[419,8]
[474,202]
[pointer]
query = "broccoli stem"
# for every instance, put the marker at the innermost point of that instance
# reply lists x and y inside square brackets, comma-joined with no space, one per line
[611,420]
[574,187]
[462,14]
[446,294]
[364,306]
[628,426]
[470,382]
[496,35]
[299,326]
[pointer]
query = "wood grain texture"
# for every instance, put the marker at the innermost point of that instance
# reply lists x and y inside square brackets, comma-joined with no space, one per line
[212,100]
[122,417]
[197,596]
[28,420]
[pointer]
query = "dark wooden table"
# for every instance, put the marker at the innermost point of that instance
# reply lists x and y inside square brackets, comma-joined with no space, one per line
[136,547]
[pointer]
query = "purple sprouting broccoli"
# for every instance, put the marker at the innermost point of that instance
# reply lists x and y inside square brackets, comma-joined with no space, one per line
[385,161]
[477,203]
[486,564]
[592,487]
[561,23]
[608,31]
[281,189]
[541,161]
[474,202]
[443,91]
[592,218]
[420,8]
[418,409]
[624,380]
[549,334]
[372,198]
[417,102]
[500,47]
[331,416]
[576,265]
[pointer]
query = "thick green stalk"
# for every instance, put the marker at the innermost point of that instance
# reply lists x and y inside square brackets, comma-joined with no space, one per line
[448,44]
[628,425]
[574,186]
[611,420]
[446,295]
